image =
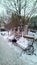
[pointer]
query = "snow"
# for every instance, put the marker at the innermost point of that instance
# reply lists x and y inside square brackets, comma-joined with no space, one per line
[23,42]
[4,34]
[10,54]
[35,36]
[5,37]
[11,37]
[31,33]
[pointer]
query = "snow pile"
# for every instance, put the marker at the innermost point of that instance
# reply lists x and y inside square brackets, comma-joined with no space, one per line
[31,33]
[5,37]
[23,42]
[35,36]
[11,37]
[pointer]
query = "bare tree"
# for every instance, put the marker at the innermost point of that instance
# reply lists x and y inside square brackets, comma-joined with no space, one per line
[16,6]
[33,10]
[27,19]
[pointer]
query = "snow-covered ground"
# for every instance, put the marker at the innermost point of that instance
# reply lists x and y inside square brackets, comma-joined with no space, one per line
[10,54]
[7,35]
[33,34]
[23,42]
